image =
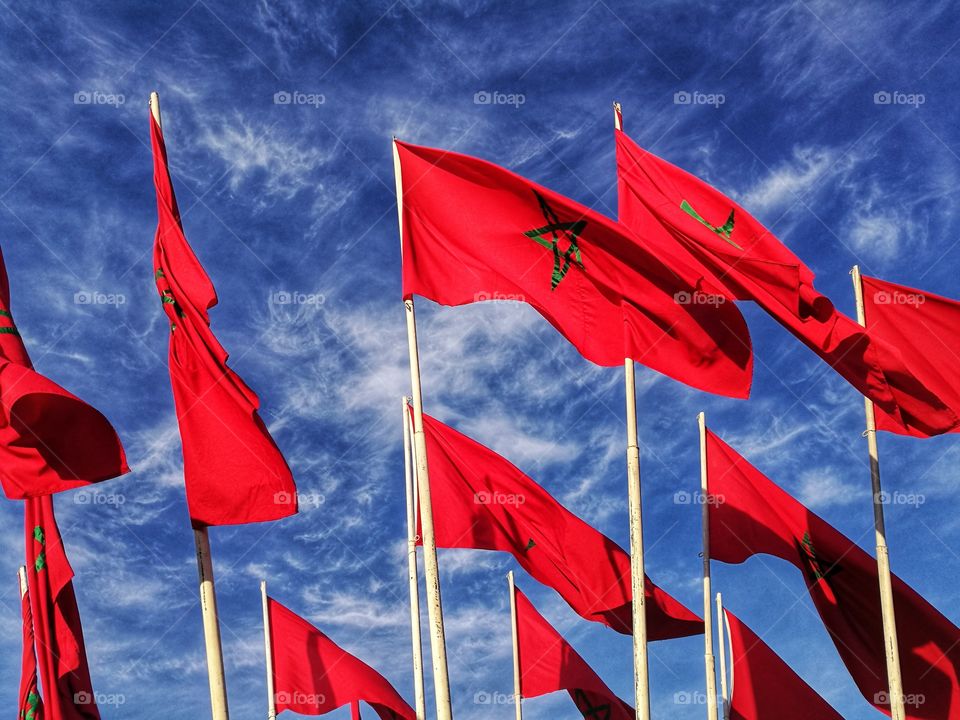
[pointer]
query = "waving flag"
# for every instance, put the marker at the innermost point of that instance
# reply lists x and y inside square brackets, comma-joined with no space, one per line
[474,231]
[313,676]
[233,470]
[678,212]
[758,517]
[923,330]
[50,440]
[62,658]
[549,663]
[764,686]
[30,705]
[481,501]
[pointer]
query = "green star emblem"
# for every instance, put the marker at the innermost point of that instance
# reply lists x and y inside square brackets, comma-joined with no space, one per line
[817,570]
[560,238]
[588,709]
[724,231]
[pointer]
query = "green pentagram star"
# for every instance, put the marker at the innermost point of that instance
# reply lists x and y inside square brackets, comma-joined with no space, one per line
[588,710]
[816,567]
[724,231]
[550,237]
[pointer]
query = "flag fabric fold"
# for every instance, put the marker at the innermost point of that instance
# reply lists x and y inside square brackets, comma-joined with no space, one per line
[313,676]
[764,686]
[757,517]
[680,214]
[482,501]
[30,706]
[473,231]
[549,663]
[50,440]
[61,655]
[233,470]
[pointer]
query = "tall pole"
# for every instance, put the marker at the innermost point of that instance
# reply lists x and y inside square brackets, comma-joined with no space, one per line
[894,679]
[412,568]
[438,645]
[22,577]
[268,653]
[724,696]
[515,635]
[208,595]
[709,662]
[641,673]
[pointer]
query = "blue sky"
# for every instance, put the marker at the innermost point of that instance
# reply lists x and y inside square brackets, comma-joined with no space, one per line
[298,198]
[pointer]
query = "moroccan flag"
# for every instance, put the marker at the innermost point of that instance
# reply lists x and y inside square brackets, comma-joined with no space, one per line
[233,470]
[677,212]
[923,330]
[313,676]
[549,663]
[30,705]
[68,693]
[474,231]
[50,440]
[764,686]
[754,516]
[481,501]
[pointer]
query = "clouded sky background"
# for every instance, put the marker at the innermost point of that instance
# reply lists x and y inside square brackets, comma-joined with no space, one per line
[834,123]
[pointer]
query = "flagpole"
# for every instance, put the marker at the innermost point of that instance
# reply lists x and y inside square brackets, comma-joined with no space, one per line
[723,659]
[515,633]
[641,672]
[412,568]
[208,595]
[438,648]
[709,662]
[22,577]
[894,679]
[268,653]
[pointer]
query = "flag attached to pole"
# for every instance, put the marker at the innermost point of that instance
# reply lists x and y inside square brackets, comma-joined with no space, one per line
[62,658]
[754,516]
[233,470]
[50,440]
[313,676]
[484,502]
[549,663]
[765,686]
[474,231]
[30,706]
[679,213]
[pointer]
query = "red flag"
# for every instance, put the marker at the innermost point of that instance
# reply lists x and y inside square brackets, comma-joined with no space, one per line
[923,329]
[753,516]
[481,501]
[679,213]
[549,663]
[62,658]
[313,676]
[233,470]
[765,686]
[30,706]
[50,440]
[474,231]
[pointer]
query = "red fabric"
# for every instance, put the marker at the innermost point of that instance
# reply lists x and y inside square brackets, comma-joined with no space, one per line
[464,240]
[233,470]
[754,516]
[481,501]
[925,329]
[764,686]
[30,707]
[50,440]
[754,265]
[62,659]
[549,663]
[313,676]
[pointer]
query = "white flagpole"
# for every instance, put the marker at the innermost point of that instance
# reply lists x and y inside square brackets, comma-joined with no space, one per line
[894,679]
[515,633]
[22,577]
[268,652]
[438,645]
[412,568]
[723,659]
[709,662]
[208,595]
[641,672]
